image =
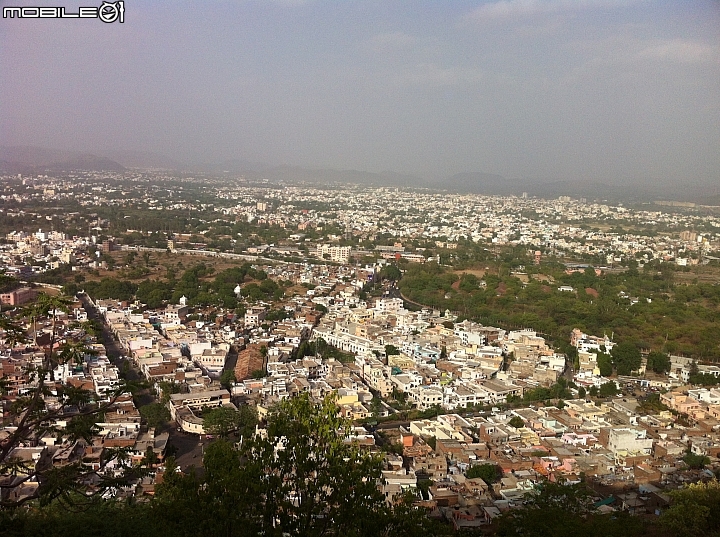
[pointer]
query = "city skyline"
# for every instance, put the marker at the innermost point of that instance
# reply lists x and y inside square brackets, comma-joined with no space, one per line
[613,91]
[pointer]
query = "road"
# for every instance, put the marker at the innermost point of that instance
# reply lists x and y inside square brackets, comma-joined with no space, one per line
[116,352]
[189,448]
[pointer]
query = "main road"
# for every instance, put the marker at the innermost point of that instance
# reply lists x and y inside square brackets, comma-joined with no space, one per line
[115,351]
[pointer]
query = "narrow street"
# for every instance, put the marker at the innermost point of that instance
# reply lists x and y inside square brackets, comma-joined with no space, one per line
[116,353]
[188,448]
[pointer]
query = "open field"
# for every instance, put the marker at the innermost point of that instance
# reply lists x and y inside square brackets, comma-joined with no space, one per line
[480,273]
[706,274]
[158,264]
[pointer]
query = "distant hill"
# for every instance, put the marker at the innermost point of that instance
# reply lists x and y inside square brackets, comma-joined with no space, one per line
[30,156]
[142,159]
[27,159]
[484,183]
[710,200]
[86,163]
[327,176]
[626,192]
[240,166]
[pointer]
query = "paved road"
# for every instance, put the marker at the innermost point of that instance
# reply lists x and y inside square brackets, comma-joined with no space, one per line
[115,351]
[189,447]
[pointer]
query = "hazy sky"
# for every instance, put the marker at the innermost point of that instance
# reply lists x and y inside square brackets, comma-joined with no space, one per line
[612,90]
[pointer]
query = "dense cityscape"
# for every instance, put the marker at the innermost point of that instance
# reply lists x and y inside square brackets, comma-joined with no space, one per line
[190,309]
[308,268]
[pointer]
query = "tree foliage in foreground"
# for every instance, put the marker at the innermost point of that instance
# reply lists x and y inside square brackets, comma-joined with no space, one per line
[559,510]
[70,421]
[695,510]
[302,478]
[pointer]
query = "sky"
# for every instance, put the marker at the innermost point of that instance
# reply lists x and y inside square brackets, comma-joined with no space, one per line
[619,91]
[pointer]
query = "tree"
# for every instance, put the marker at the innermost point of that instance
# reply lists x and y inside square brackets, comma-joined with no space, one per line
[155,414]
[560,510]
[390,272]
[130,257]
[517,422]
[659,362]
[314,482]
[582,392]
[604,362]
[167,389]
[227,379]
[301,478]
[608,389]
[490,473]
[224,420]
[694,461]
[391,350]
[695,510]
[626,357]
[71,418]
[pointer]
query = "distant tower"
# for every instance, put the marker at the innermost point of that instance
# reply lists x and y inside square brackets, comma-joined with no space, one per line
[183,300]
[524,195]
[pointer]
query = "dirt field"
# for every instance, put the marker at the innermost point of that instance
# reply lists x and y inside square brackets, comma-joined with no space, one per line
[480,273]
[159,263]
[705,274]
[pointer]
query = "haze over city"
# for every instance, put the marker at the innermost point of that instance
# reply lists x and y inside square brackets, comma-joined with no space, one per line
[608,90]
[360,268]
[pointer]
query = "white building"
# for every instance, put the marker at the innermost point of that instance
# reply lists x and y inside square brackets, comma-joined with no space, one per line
[338,254]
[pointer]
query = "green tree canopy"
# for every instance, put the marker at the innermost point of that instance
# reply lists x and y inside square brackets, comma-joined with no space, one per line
[560,510]
[227,378]
[517,422]
[490,473]
[695,461]
[626,357]
[390,272]
[608,389]
[605,364]
[224,420]
[302,478]
[695,510]
[659,362]
[155,414]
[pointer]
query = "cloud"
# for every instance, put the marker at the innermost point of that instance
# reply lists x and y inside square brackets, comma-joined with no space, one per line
[680,51]
[433,75]
[291,3]
[518,10]
[391,41]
